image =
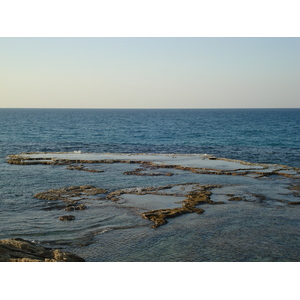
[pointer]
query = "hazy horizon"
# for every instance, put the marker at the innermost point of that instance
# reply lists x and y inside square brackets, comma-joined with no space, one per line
[178,108]
[152,73]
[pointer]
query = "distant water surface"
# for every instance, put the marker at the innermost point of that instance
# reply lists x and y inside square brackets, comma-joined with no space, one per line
[257,135]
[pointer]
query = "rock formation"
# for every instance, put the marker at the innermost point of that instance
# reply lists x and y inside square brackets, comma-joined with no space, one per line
[194,198]
[19,250]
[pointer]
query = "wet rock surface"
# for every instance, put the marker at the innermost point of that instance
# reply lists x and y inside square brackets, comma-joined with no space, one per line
[70,198]
[20,250]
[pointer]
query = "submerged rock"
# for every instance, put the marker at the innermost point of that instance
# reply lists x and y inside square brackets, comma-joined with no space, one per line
[143,172]
[78,207]
[67,218]
[19,250]
[83,168]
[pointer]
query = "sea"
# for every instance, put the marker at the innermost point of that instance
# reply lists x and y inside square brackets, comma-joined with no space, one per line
[108,233]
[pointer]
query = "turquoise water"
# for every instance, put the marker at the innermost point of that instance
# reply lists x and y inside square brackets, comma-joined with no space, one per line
[113,233]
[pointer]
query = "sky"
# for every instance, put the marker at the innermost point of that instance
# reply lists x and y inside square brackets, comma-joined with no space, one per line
[196,72]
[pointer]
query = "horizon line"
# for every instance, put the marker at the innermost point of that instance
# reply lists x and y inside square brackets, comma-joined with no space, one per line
[150,108]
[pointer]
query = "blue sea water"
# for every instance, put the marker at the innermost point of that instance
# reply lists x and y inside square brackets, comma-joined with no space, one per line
[257,135]
[254,135]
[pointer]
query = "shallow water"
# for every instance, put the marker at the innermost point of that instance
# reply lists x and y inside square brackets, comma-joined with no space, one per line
[218,235]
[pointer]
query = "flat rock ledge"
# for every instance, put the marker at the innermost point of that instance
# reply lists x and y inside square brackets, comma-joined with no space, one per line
[19,250]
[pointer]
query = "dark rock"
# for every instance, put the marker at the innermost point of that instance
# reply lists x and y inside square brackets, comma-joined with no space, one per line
[67,218]
[19,250]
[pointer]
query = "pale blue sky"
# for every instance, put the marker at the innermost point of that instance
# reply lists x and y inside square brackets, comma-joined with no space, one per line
[150,72]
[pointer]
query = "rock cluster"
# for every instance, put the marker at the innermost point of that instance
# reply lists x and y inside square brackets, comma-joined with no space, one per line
[19,250]
[67,195]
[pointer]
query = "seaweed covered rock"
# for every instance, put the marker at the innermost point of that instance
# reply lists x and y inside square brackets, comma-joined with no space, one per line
[19,250]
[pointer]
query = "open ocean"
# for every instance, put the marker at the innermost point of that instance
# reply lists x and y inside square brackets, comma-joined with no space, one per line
[253,135]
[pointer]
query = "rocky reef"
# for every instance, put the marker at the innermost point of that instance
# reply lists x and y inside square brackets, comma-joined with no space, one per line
[159,165]
[70,198]
[200,194]
[220,208]
[20,250]
[196,163]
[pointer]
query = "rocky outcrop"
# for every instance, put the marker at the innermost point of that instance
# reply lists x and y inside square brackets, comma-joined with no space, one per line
[194,198]
[67,195]
[19,250]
